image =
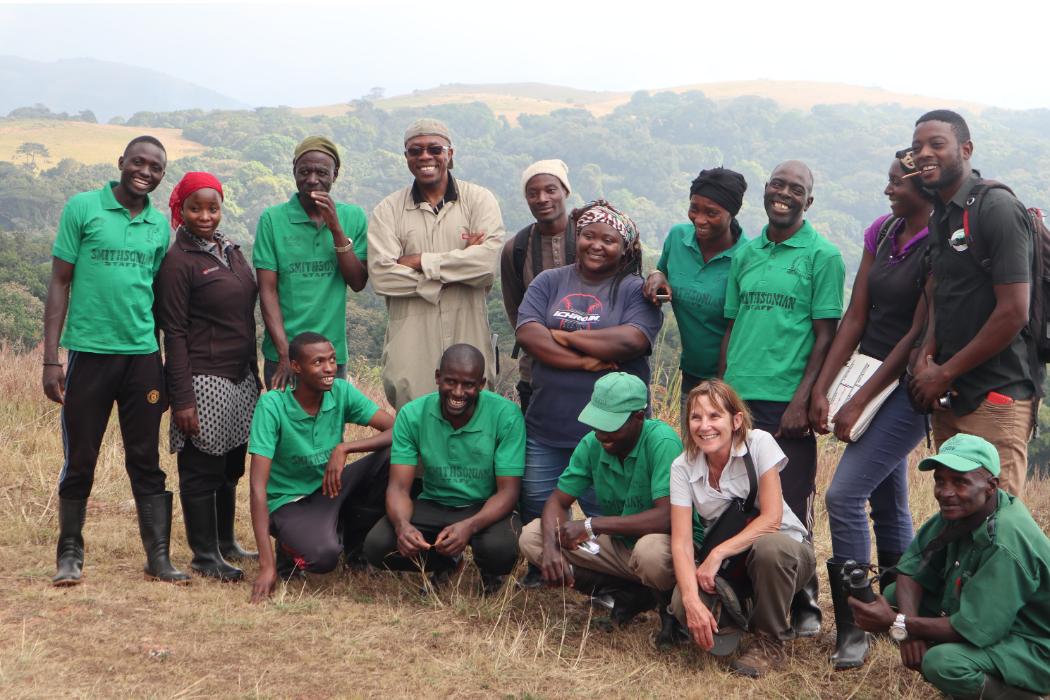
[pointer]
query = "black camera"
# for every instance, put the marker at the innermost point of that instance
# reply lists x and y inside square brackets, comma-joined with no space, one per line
[857,582]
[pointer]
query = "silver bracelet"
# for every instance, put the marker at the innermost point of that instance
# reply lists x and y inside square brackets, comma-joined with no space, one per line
[587,526]
[344,248]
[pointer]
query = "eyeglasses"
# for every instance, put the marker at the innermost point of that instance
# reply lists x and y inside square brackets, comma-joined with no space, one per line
[433,149]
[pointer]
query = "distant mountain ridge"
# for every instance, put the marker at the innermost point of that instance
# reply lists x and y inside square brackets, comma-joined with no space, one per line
[106,88]
[513,99]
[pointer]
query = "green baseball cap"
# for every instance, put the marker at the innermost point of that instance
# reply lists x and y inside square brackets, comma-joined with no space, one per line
[964,453]
[615,397]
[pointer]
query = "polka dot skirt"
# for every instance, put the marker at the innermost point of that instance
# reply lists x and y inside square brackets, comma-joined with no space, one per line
[224,410]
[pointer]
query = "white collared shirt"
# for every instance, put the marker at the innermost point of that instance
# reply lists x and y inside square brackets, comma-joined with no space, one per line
[690,485]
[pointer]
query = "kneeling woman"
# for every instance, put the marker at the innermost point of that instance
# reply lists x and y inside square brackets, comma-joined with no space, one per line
[721,449]
[205,304]
[300,480]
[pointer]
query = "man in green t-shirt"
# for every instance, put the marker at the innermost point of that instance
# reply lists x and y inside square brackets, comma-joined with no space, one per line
[973,588]
[307,251]
[108,249]
[783,302]
[626,551]
[470,446]
[300,481]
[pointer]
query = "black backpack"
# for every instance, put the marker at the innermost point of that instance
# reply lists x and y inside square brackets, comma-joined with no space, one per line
[524,238]
[1038,309]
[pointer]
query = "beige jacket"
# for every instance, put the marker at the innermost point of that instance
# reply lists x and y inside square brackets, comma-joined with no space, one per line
[443,305]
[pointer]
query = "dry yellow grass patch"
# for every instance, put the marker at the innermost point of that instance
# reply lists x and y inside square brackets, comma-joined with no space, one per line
[339,635]
[84,142]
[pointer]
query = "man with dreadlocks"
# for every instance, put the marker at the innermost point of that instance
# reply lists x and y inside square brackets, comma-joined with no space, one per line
[972,595]
[578,323]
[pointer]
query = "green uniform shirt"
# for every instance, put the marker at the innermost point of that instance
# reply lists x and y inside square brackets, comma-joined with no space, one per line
[310,287]
[115,258]
[631,486]
[698,297]
[994,586]
[774,293]
[460,466]
[300,444]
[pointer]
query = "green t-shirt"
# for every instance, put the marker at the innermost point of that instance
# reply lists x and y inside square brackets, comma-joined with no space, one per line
[774,293]
[460,466]
[631,486]
[300,444]
[698,297]
[310,287]
[115,258]
[993,584]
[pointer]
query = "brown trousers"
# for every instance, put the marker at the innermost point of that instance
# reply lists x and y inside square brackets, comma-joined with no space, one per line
[778,567]
[1008,427]
[648,562]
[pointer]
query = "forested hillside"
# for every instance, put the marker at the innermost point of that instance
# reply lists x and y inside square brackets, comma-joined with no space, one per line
[642,157]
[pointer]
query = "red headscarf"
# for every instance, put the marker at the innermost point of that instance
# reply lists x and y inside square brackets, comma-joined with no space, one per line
[190,183]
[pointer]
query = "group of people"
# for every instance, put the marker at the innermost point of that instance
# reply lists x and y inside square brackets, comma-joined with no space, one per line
[710,524]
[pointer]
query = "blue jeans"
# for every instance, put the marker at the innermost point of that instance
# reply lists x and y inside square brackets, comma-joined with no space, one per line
[543,466]
[875,469]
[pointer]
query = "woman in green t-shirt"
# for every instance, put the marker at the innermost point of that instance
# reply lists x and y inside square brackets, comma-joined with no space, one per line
[693,271]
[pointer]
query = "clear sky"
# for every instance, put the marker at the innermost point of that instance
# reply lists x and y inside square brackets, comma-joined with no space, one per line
[315,53]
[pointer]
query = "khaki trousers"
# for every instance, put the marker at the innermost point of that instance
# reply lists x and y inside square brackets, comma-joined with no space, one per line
[778,567]
[648,562]
[1007,427]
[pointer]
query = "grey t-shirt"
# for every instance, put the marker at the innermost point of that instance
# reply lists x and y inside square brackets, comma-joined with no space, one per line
[560,298]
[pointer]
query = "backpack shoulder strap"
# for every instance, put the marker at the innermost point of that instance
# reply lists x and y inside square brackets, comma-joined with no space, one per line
[884,232]
[752,482]
[521,242]
[971,219]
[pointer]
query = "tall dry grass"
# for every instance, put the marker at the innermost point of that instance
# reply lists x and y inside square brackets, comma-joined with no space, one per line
[339,635]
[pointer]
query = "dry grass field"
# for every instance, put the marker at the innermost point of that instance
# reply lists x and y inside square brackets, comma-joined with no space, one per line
[340,635]
[84,142]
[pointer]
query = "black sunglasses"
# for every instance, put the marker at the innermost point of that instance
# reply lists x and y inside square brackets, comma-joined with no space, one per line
[433,149]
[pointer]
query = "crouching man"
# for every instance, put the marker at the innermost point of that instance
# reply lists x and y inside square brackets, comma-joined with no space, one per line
[973,588]
[627,459]
[300,481]
[470,446]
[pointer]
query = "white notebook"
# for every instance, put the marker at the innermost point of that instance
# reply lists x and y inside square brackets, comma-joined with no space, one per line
[852,377]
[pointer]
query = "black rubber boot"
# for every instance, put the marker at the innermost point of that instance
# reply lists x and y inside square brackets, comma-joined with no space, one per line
[155,530]
[851,642]
[69,559]
[805,613]
[198,512]
[671,632]
[630,600]
[225,510]
[887,574]
[995,689]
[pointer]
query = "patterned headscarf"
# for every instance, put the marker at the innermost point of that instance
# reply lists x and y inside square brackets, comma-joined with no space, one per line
[601,212]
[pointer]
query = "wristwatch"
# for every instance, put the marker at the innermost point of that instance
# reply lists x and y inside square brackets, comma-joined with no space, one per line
[898,632]
[344,248]
[587,526]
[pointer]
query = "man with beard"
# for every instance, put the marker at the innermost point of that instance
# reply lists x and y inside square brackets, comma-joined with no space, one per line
[973,588]
[433,250]
[470,446]
[109,246]
[975,353]
[307,251]
[783,302]
[548,242]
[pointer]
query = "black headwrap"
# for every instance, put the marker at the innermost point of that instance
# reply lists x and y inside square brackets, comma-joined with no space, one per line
[724,187]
